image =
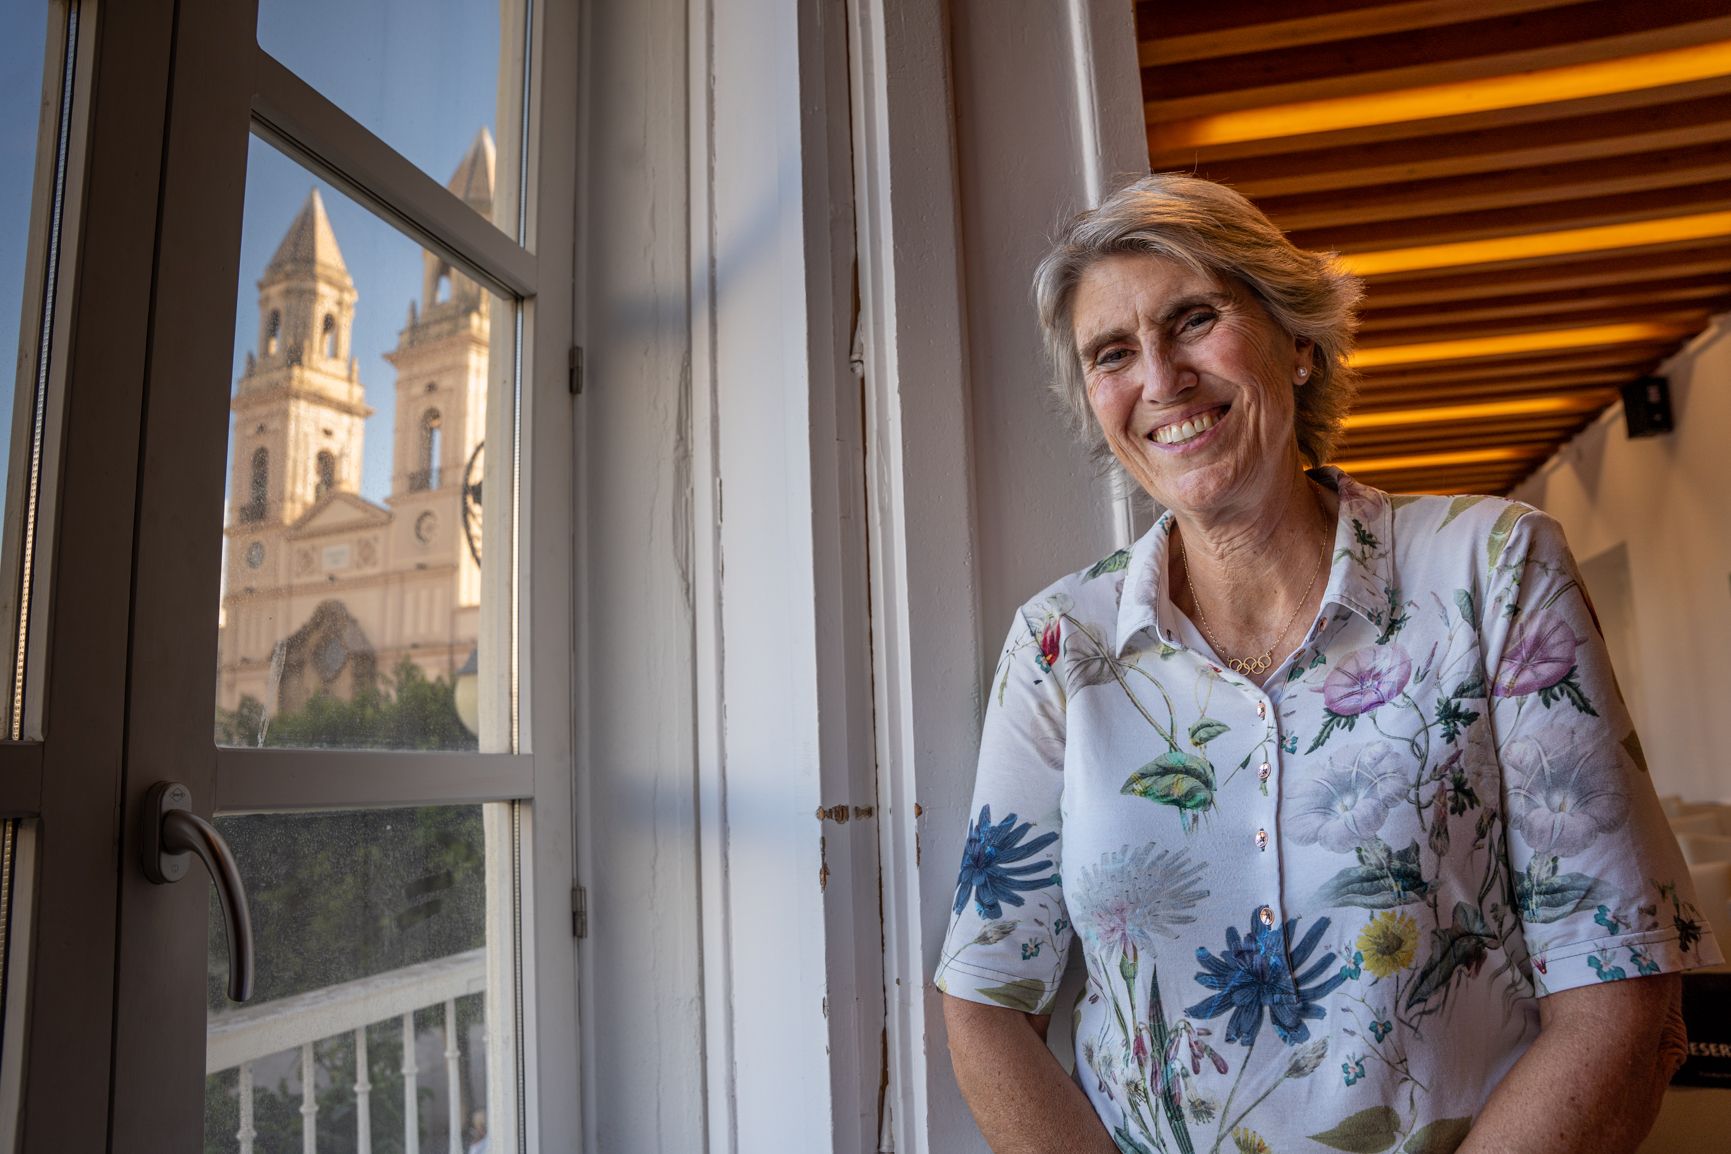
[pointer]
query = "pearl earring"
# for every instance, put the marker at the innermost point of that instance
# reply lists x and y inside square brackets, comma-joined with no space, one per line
[1302,373]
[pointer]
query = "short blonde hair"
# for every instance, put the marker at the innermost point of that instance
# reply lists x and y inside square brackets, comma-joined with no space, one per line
[1215,231]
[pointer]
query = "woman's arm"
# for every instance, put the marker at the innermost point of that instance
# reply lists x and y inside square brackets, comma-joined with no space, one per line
[1592,1081]
[1021,1097]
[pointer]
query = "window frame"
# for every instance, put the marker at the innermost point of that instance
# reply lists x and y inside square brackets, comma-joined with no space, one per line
[158,146]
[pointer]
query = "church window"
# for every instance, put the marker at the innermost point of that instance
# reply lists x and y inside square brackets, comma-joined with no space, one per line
[426,475]
[327,473]
[442,285]
[259,489]
[328,334]
[272,333]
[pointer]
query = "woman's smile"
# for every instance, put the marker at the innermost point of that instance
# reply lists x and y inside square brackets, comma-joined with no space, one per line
[1189,432]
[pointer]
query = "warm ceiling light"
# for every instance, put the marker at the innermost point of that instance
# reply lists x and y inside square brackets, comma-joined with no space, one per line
[1547,340]
[1456,98]
[1488,410]
[1410,461]
[1562,242]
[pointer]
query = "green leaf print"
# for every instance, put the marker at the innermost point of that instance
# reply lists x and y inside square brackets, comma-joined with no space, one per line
[1369,1131]
[1461,946]
[1383,880]
[1452,718]
[1025,994]
[1569,688]
[1500,531]
[1444,1136]
[1331,722]
[1469,610]
[1206,730]
[1112,564]
[1554,898]
[1177,779]
[1128,1143]
[1456,507]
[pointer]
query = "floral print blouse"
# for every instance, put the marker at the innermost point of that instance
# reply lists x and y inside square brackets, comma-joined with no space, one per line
[1317,914]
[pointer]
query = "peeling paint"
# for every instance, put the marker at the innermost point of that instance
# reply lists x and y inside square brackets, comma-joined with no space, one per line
[823,865]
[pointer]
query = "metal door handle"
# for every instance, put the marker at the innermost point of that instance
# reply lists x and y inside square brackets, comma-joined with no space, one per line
[172,832]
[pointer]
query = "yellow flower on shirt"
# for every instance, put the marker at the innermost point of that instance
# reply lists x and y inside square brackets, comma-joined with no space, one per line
[1388,942]
[1248,1141]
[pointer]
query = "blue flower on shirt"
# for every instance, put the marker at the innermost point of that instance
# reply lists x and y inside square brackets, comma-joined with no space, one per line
[1253,973]
[995,865]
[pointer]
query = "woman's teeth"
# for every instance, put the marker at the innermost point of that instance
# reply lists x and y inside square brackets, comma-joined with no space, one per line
[1177,434]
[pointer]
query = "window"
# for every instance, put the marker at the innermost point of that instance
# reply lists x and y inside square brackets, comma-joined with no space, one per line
[328,336]
[327,472]
[258,491]
[426,475]
[272,333]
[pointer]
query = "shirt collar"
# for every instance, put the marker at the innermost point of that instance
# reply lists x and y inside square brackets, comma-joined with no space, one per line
[1360,577]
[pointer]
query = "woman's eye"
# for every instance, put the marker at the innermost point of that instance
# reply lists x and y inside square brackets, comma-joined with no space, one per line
[1200,319]
[1112,357]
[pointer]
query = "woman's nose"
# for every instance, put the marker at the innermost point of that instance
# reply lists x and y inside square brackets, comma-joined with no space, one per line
[1165,377]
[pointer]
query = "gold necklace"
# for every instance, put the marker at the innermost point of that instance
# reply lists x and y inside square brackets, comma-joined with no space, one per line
[1258,665]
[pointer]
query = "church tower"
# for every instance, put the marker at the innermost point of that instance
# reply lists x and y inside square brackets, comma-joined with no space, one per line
[299,408]
[441,360]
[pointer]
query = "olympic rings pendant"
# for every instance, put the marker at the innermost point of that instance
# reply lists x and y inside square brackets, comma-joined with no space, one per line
[1254,666]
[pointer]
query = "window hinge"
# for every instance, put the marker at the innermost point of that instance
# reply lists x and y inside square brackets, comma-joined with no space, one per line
[575,365]
[579,912]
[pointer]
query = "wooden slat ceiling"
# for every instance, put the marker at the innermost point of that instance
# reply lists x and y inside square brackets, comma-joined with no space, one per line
[1537,192]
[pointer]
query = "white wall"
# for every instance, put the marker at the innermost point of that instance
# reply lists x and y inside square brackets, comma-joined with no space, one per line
[1667,500]
[640,967]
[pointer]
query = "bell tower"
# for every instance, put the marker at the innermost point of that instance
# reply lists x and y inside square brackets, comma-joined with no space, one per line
[299,406]
[441,360]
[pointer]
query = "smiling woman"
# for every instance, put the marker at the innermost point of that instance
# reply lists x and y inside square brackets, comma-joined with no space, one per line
[1277,711]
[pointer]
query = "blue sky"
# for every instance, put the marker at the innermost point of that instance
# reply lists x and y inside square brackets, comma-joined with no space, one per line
[22,28]
[422,74]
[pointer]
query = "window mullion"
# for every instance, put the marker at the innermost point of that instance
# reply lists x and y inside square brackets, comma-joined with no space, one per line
[294,116]
[260,780]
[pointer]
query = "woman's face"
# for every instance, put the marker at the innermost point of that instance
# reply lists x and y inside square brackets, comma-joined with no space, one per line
[1191,381]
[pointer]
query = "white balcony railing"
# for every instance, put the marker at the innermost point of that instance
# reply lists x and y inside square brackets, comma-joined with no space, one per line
[238,1038]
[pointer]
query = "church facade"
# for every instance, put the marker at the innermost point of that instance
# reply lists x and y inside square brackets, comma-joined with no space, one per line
[326,591]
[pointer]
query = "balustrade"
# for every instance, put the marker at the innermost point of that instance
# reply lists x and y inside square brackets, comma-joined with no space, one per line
[237,1039]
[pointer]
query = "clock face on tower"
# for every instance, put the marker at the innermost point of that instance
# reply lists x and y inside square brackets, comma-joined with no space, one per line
[426,525]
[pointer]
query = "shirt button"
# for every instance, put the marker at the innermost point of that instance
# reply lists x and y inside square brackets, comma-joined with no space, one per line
[1262,839]
[1266,915]
[1263,770]
[1262,709]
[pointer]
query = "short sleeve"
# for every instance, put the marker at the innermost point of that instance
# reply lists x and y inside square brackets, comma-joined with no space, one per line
[1600,886]
[1009,935]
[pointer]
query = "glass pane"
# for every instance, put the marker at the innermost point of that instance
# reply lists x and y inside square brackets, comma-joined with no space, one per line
[384,1003]
[34,87]
[356,611]
[438,80]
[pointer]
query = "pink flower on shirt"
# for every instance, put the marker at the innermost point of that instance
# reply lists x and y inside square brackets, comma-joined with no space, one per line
[1540,653]
[1365,679]
[1049,639]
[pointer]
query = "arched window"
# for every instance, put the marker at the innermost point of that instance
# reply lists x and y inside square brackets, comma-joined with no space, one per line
[327,470]
[328,336]
[427,475]
[258,491]
[442,285]
[272,332]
